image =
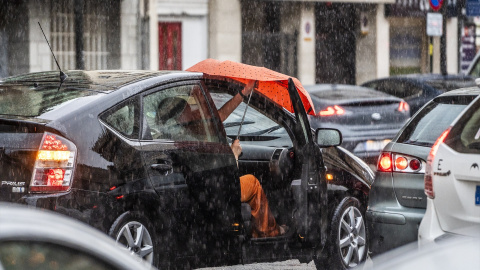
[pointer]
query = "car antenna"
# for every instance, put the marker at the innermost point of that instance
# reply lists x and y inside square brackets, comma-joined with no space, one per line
[63,76]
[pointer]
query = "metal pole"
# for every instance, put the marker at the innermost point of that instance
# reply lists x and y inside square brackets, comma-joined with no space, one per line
[78,26]
[443,40]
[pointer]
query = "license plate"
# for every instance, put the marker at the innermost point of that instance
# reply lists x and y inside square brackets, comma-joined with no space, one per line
[371,145]
[477,195]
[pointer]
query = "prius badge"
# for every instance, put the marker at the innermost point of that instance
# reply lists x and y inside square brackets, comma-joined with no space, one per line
[376,116]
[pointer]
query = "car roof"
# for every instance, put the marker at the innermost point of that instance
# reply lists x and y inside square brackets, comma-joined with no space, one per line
[19,223]
[467,91]
[346,92]
[97,80]
[438,81]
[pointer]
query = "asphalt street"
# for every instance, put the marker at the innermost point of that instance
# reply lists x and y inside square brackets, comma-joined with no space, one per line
[285,265]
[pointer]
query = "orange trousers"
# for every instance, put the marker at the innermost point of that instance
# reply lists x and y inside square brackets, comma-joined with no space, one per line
[264,224]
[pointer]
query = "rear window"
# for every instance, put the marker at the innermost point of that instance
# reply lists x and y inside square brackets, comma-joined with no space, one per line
[345,94]
[433,119]
[465,135]
[30,101]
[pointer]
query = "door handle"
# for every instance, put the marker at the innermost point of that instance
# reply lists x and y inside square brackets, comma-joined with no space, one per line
[161,167]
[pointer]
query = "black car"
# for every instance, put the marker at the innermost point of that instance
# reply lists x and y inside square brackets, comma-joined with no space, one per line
[418,89]
[397,200]
[91,147]
[368,119]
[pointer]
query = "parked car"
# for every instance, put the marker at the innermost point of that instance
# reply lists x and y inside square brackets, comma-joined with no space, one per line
[397,200]
[452,180]
[91,148]
[418,89]
[33,239]
[368,119]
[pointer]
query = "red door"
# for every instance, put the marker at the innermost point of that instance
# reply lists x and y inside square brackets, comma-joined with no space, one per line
[170,46]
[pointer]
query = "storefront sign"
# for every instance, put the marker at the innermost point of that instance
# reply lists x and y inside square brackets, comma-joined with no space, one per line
[473,8]
[419,8]
[434,24]
[468,47]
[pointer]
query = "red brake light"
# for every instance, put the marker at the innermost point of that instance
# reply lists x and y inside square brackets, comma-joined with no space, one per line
[401,163]
[415,164]
[54,164]
[403,106]
[329,111]
[428,180]
[385,162]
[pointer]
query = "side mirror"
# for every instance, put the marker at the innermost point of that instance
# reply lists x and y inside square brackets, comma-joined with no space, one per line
[327,137]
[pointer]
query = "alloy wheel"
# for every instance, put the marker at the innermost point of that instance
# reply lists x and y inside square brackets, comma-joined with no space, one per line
[352,237]
[136,238]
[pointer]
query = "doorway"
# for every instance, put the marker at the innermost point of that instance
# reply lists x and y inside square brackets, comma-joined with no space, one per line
[335,43]
[170,45]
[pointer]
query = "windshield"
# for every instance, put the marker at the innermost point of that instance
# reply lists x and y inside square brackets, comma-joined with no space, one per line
[254,124]
[437,116]
[256,129]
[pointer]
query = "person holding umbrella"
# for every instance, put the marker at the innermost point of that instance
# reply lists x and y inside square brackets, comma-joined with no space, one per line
[264,223]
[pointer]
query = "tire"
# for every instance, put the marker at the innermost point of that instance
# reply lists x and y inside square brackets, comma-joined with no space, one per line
[347,241]
[136,234]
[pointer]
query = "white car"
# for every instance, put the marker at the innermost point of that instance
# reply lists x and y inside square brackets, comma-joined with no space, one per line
[452,180]
[34,239]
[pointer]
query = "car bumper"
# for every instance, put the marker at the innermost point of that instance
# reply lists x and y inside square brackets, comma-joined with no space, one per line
[388,230]
[430,227]
[389,223]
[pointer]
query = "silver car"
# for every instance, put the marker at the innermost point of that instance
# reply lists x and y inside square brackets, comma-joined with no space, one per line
[397,200]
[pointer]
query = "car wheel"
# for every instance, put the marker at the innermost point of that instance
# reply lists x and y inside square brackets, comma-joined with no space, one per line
[136,234]
[347,242]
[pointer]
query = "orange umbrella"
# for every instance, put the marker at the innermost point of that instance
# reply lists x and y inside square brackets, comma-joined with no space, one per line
[271,84]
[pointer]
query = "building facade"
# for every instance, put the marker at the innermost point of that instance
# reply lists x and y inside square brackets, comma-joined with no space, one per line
[83,34]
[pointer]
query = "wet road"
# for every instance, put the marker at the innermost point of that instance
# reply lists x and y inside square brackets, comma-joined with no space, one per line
[285,265]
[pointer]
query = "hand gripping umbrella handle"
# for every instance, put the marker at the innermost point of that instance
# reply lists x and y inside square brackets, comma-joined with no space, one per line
[245,112]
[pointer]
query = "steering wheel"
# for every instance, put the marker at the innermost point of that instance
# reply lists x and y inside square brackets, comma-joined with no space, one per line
[281,165]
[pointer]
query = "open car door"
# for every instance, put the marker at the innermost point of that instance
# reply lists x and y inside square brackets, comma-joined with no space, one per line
[310,192]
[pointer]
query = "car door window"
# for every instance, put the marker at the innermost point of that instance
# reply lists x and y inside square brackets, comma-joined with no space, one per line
[124,118]
[40,255]
[179,113]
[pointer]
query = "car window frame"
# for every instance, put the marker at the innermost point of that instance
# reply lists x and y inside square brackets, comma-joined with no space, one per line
[145,137]
[137,126]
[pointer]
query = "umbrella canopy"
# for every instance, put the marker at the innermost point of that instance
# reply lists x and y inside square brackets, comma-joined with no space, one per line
[271,84]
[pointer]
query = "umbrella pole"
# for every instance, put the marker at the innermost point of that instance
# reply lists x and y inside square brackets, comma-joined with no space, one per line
[245,112]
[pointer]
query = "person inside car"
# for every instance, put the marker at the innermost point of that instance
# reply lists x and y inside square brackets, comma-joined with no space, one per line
[264,223]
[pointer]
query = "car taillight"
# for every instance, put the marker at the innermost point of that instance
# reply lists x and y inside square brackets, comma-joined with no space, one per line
[54,165]
[385,162]
[329,111]
[407,164]
[428,171]
[389,162]
[403,107]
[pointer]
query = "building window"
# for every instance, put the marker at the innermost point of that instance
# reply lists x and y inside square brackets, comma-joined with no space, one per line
[95,21]
[62,34]
[406,49]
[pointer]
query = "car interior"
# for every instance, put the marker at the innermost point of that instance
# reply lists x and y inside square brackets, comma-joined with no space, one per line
[267,152]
